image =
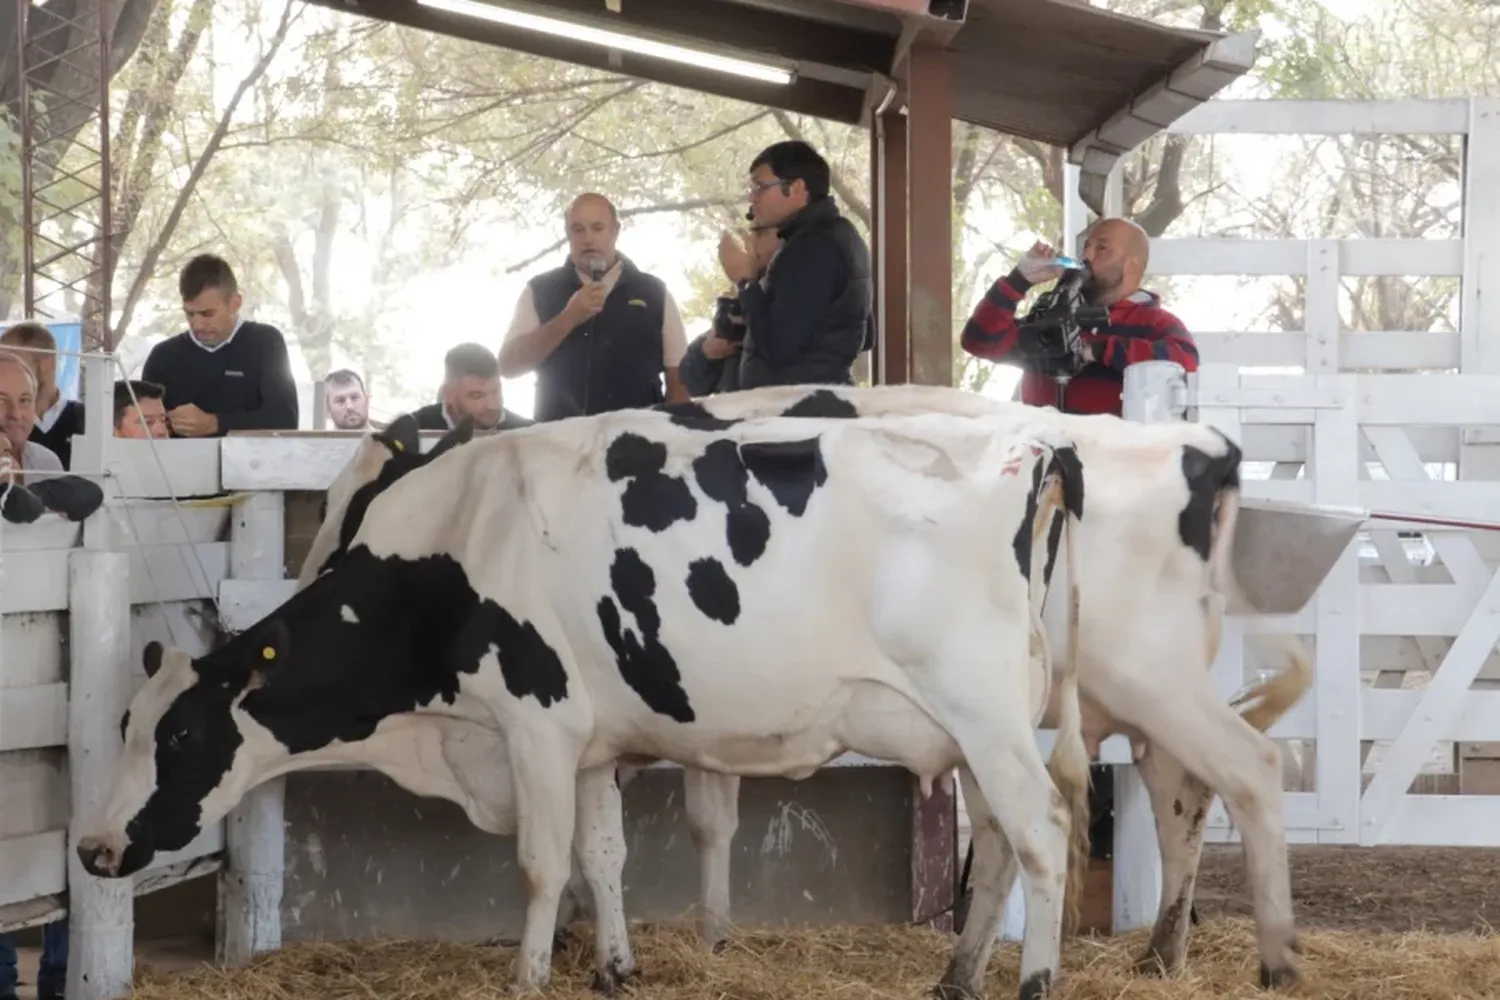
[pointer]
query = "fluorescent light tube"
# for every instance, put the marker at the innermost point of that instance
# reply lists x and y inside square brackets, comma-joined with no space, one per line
[612,40]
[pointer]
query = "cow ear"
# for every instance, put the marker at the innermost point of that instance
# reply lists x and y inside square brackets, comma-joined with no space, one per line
[463,433]
[269,650]
[402,436]
[151,657]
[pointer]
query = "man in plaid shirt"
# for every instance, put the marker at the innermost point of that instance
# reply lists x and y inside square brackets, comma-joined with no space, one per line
[1139,329]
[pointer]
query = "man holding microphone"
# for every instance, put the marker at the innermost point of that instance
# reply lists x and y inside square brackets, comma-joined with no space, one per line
[600,333]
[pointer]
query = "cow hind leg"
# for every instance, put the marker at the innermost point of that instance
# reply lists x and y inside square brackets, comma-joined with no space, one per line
[1190,722]
[546,780]
[713,812]
[601,857]
[991,877]
[1180,803]
[1001,753]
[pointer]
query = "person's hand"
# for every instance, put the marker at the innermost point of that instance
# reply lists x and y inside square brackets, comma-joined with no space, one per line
[1037,265]
[587,302]
[737,262]
[189,421]
[716,348]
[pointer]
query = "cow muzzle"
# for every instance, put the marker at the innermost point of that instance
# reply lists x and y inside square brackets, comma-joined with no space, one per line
[101,856]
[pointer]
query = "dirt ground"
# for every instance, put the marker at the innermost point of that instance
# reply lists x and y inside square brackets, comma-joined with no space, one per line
[1368,888]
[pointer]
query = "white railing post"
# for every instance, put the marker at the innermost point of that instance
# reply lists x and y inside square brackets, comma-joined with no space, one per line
[101,912]
[250,884]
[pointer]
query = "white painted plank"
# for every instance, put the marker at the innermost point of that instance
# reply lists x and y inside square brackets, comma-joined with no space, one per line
[50,531]
[46,574]
[293,461]
[242,603]
[1390,609]
[135,523]
[1302,811]
[32,866]
[1357,349]
[35,792]
[1357,258]
[1468,500]
[33,716]
[31,648]
[1444,820]
[180,467]
[1440,708]
[1405,116]
[1435,399]
[1265,443]
[177,572]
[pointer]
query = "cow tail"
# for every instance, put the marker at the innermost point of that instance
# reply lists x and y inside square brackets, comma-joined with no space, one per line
[1069,763]
[1265,702]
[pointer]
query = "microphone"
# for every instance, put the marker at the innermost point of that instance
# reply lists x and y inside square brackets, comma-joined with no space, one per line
[597,268]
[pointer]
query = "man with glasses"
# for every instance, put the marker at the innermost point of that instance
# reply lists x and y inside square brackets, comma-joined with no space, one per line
[811,316]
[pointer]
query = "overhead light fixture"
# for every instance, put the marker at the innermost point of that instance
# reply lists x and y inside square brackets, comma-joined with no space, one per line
[612,40]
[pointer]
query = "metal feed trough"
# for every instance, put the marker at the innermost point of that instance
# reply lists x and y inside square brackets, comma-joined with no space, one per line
[1284,551]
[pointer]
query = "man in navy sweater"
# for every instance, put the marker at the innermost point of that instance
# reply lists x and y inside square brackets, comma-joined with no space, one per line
[223,373]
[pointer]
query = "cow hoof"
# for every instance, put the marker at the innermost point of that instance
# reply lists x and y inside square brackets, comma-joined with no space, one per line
[1296,945]
[1037,986]
[717,948]
[1281,978]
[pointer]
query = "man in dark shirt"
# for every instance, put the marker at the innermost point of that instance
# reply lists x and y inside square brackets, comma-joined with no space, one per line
[57,419]
[471,388]
[811,316]
[223,373]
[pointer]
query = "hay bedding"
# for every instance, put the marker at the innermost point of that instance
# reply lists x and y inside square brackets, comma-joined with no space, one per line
[857,963]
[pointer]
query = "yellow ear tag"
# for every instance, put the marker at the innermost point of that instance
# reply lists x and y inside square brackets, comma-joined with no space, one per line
[268,653]
[398,446]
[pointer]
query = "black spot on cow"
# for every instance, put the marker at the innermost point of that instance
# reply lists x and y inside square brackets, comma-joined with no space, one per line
[645,664]
[1065,464]
[1205,474]
[652,499]
[712,590]
[823,403]
[694,416]
[791,470]
[723,478]
[310,677]
[402,439]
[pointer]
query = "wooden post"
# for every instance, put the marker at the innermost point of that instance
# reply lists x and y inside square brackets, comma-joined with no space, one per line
[101,912]
[250,883]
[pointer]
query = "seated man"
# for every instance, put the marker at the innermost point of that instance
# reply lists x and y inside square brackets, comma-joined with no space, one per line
[58,420]
[223,373]
[471,388]
[143,417]
[18,391]
[32,480]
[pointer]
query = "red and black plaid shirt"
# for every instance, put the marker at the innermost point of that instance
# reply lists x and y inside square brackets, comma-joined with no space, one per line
[1139,330]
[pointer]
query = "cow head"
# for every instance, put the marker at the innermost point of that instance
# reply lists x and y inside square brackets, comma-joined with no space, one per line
[310,684]
[383,457]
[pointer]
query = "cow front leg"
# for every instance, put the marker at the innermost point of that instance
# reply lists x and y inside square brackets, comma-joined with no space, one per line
[1180,804]
[545,775]
[990,879]
[713,813]
[601,857]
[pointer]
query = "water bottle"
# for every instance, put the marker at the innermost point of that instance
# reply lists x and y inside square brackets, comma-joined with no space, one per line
[1066,262]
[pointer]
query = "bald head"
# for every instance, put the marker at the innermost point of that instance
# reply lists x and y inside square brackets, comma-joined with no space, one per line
[593,226]
[1117,250]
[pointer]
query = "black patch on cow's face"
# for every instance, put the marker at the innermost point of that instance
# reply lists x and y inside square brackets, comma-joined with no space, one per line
[722,478]
[824,403]
[694,416]
[712,590]
[652,499]
[1205,475]
[644,662]
[791,470]
[370,639]
[405,446]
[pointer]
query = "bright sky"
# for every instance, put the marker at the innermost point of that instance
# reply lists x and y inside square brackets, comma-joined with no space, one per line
[473,299]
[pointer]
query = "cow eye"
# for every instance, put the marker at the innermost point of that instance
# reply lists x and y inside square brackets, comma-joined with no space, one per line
[177,739]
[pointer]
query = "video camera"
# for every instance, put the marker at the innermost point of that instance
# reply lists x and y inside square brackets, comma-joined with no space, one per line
[1049,337]
[729,318]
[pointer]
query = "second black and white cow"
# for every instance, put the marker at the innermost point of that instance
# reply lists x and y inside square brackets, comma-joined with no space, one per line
[753,599]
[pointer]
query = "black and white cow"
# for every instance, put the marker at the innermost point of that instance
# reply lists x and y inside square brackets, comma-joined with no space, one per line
[748,598]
